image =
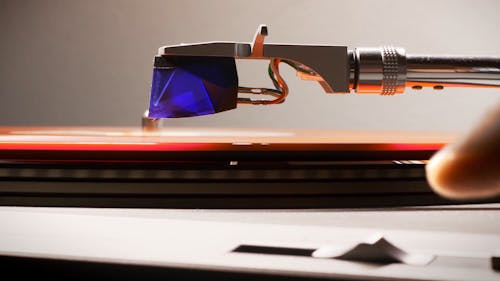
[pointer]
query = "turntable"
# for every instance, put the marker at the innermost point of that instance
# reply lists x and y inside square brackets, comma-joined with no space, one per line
[154,166]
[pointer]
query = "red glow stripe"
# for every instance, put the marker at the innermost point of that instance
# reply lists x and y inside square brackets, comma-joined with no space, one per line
[420,146]
[216,146]
[104,147]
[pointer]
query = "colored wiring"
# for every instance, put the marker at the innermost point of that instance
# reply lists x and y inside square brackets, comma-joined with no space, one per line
[279,94]
[281,89]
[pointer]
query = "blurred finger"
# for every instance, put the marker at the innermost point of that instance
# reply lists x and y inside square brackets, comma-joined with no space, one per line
[470,168]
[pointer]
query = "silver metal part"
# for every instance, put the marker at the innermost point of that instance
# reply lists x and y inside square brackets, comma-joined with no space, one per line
[380,70]
[330,63]
[453,71]
[209,49]
[388,71]
[385,70]
[150,124]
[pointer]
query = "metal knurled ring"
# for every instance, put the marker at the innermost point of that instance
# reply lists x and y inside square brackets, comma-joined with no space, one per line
[389,70]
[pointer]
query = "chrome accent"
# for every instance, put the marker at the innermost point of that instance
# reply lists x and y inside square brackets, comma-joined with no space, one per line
[380,70]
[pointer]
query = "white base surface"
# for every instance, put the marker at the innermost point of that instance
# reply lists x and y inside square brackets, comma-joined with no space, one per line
[463,238]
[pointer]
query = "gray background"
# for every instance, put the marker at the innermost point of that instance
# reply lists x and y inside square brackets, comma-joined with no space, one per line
[90,62]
